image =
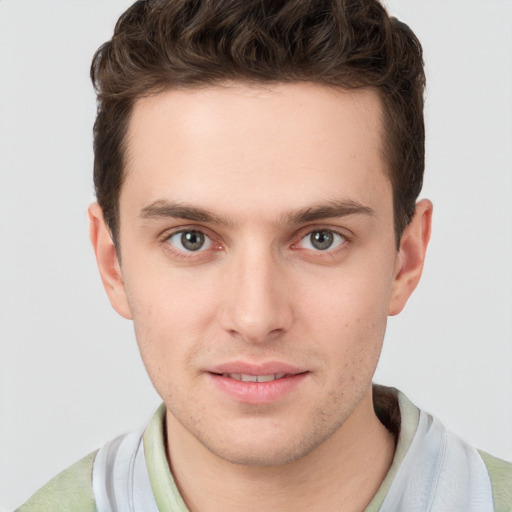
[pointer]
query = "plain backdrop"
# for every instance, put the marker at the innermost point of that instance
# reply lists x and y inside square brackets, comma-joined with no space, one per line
[70,374]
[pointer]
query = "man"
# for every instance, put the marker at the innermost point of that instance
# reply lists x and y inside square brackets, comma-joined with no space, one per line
[257,167]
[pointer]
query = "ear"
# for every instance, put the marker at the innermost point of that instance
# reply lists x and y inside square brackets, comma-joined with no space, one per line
[411,256]
[107,260]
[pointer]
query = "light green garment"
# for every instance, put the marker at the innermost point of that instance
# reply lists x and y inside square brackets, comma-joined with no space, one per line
[500,472]
[71,490]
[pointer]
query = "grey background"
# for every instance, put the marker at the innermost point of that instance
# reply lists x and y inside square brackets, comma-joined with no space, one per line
[70,375]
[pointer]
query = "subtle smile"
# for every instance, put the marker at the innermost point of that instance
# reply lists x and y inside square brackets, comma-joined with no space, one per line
[257,387]
[255,378]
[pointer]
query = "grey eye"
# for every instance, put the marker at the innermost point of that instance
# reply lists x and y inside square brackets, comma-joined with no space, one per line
[322,240]
[190,241]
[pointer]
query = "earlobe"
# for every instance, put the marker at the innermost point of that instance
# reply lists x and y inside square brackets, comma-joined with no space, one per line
[411,256]
[107,260]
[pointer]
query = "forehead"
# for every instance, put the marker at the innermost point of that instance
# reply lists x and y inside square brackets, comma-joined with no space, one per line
[275,145]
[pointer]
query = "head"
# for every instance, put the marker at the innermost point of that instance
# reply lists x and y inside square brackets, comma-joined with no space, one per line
[257,167]
[159,45]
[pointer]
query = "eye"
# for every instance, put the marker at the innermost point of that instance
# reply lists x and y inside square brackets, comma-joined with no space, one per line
[190,241]
[322,240]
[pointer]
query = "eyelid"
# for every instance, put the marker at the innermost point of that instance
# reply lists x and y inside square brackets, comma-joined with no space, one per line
[207,241]
[309,230]
[167,233]
[183,253]
[217,244]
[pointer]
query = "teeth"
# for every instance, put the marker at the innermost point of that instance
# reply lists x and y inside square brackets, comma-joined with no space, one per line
[254,378]
[266,378]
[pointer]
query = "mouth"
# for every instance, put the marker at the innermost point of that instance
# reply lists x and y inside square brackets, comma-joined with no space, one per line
[257,385]
[243,377]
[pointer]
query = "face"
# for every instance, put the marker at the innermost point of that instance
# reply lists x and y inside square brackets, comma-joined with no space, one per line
[258,262]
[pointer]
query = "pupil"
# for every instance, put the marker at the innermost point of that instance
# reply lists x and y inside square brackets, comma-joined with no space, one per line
[192,240]
[321,240]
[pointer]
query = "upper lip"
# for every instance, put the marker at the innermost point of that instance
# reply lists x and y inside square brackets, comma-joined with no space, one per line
[246,368]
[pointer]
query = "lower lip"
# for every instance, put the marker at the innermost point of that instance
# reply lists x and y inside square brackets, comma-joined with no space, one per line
[257,392]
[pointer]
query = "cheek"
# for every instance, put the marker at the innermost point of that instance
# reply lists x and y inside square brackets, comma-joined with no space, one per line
[167,342]
[348,316]
[169,299]
[170,314]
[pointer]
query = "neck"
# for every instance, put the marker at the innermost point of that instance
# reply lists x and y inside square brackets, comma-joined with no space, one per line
[343,473]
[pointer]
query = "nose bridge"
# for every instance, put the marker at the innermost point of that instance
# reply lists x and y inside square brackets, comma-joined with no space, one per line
[257,307]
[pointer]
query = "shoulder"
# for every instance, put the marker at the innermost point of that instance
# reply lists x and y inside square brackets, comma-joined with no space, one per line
[500,473]
[443,472]
[69,490]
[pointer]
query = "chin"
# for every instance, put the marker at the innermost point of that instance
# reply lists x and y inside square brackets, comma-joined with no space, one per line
[267,447]
[262,456]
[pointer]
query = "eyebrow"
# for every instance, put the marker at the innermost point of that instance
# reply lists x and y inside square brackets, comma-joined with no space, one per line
[329,210]
[162,209]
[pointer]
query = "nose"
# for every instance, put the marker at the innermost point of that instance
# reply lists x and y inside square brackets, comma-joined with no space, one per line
[256,305]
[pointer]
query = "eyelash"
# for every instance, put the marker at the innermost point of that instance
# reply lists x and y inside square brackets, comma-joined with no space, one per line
[166,237]
[305,232]
[327,252]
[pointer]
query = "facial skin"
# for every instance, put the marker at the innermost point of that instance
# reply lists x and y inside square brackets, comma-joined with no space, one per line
[268,176]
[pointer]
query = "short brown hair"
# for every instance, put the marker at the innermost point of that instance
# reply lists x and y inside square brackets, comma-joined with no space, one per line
[166,44]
